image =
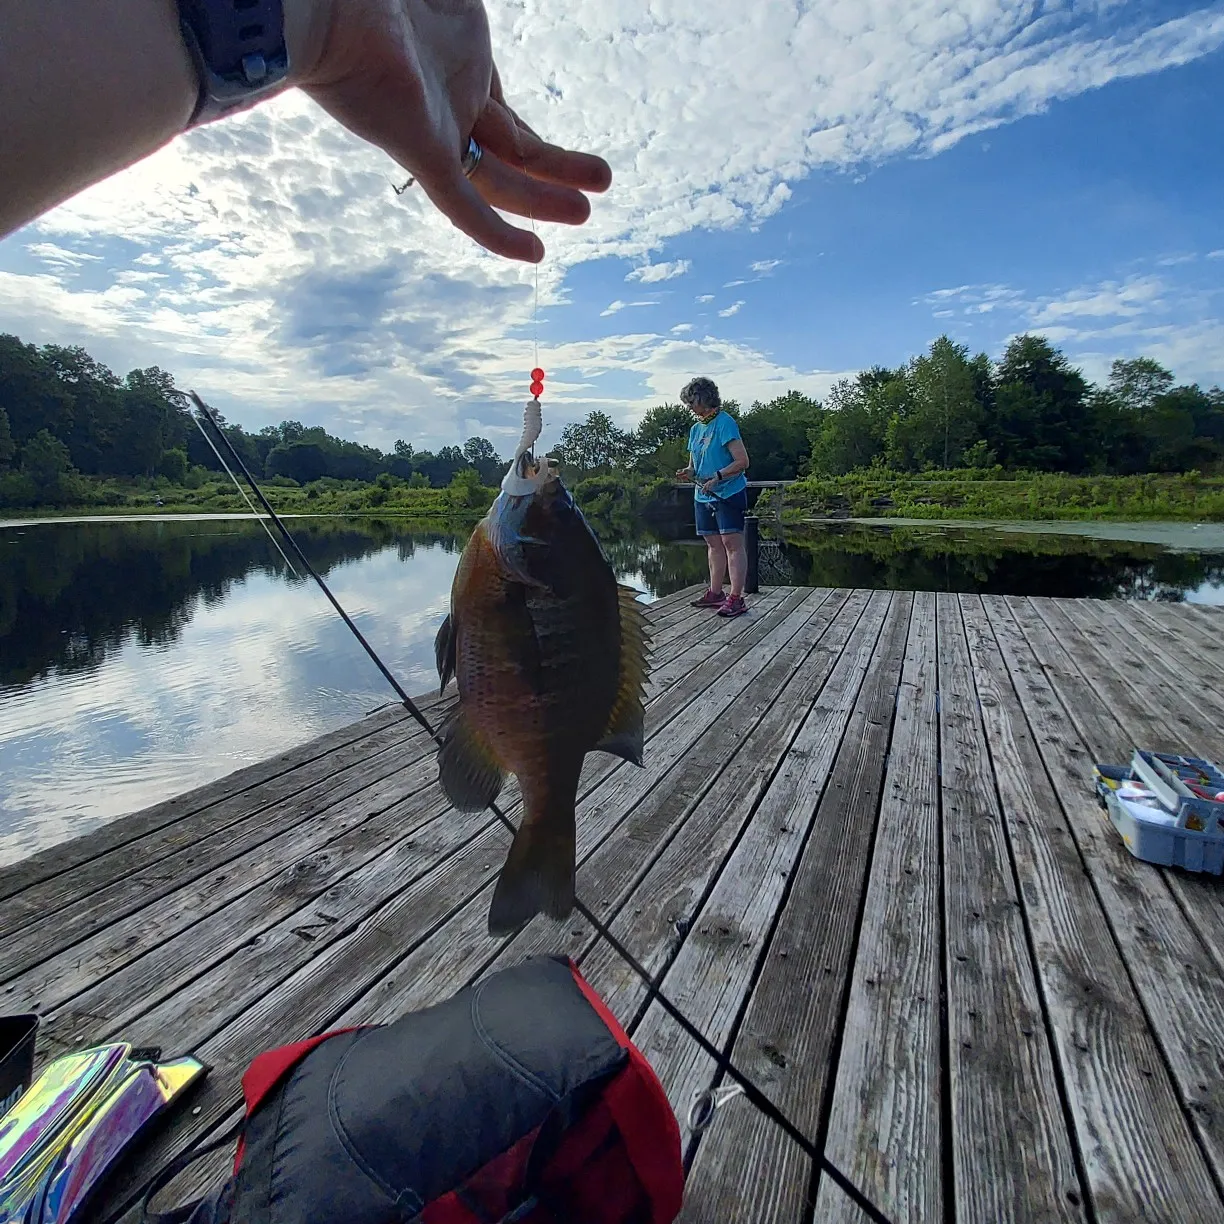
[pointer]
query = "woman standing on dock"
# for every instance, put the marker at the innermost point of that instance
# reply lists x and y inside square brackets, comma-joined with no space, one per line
[717,463]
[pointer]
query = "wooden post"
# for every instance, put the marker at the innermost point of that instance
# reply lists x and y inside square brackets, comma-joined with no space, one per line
[750,549]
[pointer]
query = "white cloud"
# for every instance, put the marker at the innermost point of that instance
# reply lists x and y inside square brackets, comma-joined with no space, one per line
[733,309]
[60,257]
[976,299]
[1110,299]
[661,365]
[617,306]
[681,328]
[766,265]
[650,273]
[1181,325]
[1216,254]
[296,280]
[705,297]
[734,284]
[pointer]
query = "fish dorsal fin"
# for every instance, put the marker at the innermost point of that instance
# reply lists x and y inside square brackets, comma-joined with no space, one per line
[625,734]
[470,775]
[444,651]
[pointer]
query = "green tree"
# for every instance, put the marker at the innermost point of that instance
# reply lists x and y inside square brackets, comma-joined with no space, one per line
[465,488]
[595,444]
[1137,383]
[97,407]
[300,461]
[853,429]
[1043,418]
[776,435]
[484,459]
[173,465]
[8,448]
[154,418]
[439,469]
[940,415]
[30,393]
[662,423]
[45,459]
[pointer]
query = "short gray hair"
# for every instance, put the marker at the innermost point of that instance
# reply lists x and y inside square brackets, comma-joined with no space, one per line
[701,391]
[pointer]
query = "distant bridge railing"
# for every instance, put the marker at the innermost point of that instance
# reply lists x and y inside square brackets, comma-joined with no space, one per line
[758,485]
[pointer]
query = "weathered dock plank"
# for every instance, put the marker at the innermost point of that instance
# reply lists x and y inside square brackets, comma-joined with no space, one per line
[788,1038]
[1129,1129]
[884,1126]
[1012,1156]
[1164,922]
[711,978]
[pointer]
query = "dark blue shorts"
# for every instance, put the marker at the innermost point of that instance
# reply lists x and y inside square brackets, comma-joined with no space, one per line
[724,516]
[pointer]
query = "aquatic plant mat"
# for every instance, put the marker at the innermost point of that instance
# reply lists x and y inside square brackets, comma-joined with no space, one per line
[864,856]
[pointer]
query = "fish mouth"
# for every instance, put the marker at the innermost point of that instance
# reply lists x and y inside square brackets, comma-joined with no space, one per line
[528,476]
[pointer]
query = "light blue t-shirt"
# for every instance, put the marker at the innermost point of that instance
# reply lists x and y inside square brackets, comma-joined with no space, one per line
[708,446]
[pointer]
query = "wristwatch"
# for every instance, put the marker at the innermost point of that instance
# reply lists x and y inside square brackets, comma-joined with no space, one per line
[239,51]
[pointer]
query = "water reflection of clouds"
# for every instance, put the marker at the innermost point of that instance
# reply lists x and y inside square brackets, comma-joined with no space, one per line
[269,666]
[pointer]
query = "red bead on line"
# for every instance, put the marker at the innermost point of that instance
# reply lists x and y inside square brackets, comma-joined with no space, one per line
[537,389]
[537,375]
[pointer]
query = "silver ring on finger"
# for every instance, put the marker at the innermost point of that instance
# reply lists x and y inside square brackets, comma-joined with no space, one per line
[471,159]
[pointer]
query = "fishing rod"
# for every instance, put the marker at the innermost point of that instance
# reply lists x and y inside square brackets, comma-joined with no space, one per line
[707,1102]
[240,463]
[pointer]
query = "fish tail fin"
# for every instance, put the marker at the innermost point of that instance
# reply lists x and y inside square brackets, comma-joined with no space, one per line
[538,876]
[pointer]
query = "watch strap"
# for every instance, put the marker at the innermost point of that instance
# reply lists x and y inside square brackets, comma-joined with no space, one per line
[239,51]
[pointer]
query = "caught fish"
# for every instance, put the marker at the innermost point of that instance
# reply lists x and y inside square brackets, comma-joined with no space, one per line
[549,654]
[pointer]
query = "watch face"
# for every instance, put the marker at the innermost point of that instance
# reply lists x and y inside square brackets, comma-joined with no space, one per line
[238,58]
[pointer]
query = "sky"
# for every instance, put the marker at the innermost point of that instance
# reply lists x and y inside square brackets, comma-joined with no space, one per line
[800,191]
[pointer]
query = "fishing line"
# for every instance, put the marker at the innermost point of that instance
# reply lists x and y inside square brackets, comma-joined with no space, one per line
[653,985]
[535,306]
[310,569]
[245,498]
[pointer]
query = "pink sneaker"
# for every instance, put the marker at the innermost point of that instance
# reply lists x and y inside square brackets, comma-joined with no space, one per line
[733,605]
[711,599]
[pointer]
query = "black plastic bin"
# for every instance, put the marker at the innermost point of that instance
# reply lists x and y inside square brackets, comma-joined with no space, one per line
[17,1035]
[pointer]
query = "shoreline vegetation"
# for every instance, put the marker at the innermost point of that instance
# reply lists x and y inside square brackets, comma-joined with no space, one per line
[948,496]
[969,495]
[945,436]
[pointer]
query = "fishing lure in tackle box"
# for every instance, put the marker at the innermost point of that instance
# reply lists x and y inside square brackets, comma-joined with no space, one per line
[68,1129]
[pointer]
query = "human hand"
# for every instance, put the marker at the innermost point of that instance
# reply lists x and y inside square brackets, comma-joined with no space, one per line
[707,486]
[684,474]
[416,78]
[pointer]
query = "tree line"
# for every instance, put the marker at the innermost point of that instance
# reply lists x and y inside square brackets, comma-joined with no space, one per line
[1030,410]
[63,414]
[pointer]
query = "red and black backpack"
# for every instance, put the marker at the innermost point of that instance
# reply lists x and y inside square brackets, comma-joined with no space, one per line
[520,1099]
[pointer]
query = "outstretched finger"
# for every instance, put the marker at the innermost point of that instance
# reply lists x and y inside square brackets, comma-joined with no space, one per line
[456,196]
[508,188]
[503,134]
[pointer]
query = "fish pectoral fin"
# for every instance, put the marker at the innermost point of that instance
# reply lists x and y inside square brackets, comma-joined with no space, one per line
[444,652]
[626,744]
[625,734]
[470,775]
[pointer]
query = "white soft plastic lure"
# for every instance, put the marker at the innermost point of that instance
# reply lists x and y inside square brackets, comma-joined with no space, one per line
[525,476]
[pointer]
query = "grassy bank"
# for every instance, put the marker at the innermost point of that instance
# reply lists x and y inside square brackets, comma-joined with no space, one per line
[387,496]
[968,495]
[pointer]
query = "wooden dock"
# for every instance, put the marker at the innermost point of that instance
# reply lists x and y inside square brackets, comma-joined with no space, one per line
[864,857]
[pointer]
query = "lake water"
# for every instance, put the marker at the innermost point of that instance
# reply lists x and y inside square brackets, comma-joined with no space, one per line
[142,658]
